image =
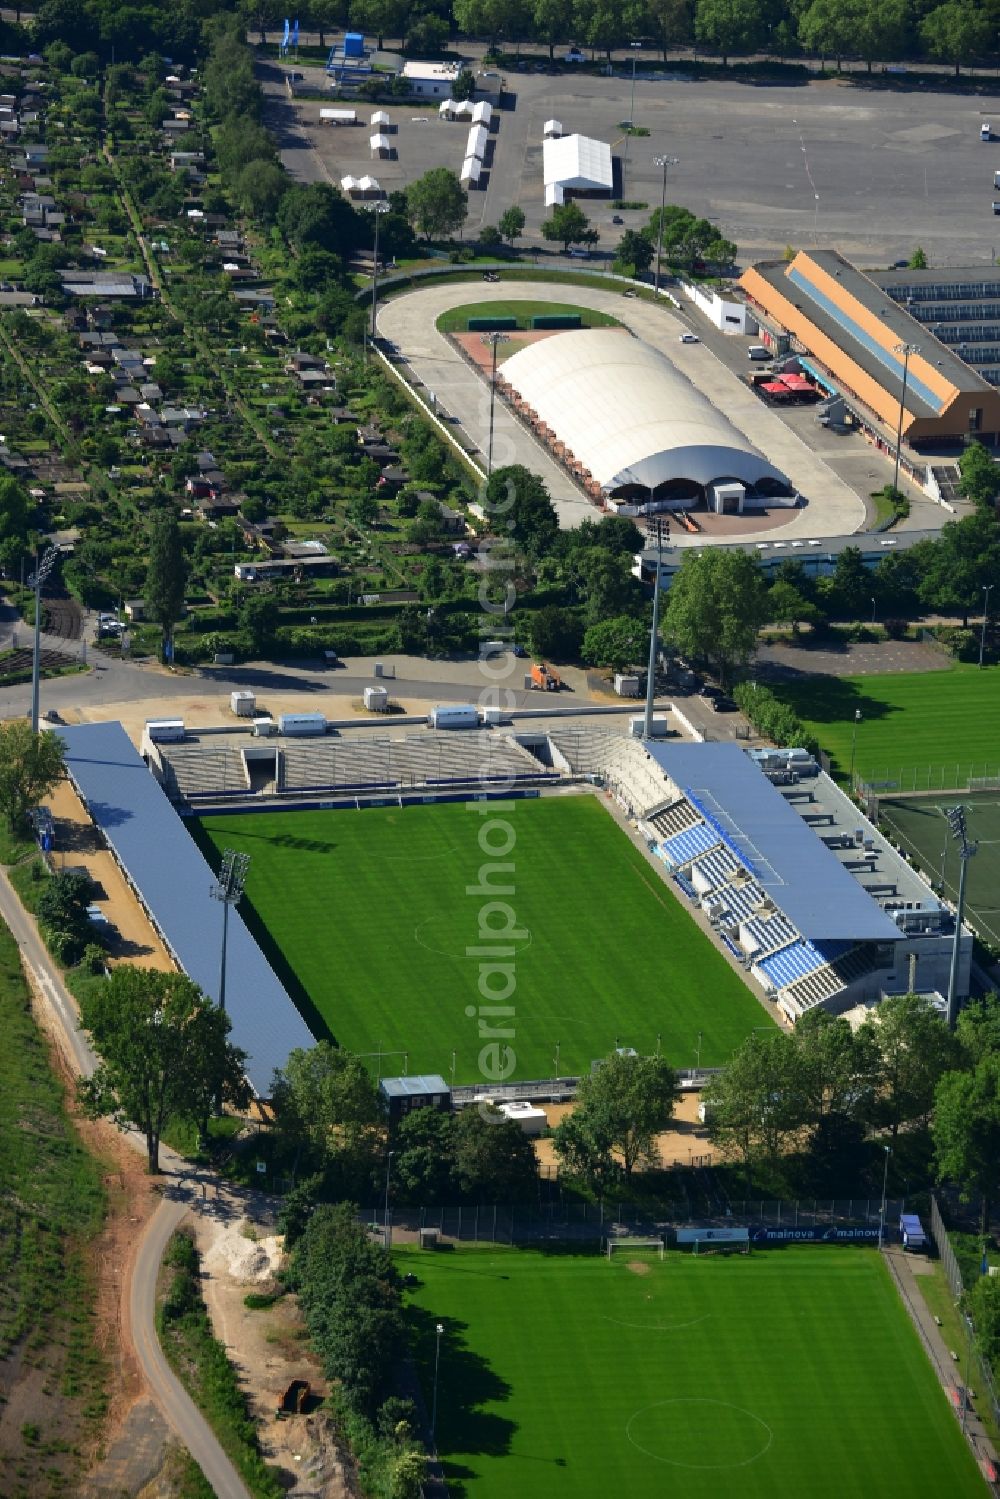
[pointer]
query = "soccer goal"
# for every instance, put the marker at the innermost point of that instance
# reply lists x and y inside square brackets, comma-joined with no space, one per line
[633,1244]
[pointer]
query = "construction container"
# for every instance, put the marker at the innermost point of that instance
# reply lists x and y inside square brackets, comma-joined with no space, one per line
[626,685]
[243,704]
[544,679]
[302,724]
[377,699]
[265,728]
[164,730]
[557,320]
[455,716]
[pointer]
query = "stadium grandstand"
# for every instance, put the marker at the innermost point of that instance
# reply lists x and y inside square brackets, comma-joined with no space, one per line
[172,880]
[632,428]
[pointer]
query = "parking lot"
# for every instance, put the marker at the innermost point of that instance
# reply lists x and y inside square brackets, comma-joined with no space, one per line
[870,170]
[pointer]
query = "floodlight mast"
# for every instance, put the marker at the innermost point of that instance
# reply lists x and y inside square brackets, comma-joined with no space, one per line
[43,567]
[647,726]
[966,851]
[229,890]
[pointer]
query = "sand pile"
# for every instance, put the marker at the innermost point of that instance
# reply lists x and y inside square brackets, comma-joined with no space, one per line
[249,1261]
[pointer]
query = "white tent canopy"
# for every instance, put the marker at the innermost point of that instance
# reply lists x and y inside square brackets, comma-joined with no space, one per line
[471,170]
[552,130]
[577,161]
[482,113]
[629,416]
[348,184]
[380,118]
[380,144]
[478,140]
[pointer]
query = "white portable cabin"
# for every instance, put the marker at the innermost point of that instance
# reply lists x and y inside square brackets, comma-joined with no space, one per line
[368,187]
[338,117]
[471,171]
[455,716]
[529,1116]
[380,145]
[301,724]
[243,703]
[164,730]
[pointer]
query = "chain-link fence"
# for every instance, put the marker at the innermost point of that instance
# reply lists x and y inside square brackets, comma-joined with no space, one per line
[953,1275]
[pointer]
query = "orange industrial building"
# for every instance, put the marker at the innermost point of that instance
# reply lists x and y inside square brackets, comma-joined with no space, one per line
[853,337]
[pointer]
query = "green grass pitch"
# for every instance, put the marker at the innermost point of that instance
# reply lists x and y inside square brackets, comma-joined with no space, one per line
[788,1372]
[920,826]
[946,720]
[371,914]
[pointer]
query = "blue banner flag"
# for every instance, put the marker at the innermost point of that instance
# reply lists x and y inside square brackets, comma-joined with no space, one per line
[295,33]
[284,39]
[984,1268]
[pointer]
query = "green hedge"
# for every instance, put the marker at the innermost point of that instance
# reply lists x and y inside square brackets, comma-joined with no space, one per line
[772,718]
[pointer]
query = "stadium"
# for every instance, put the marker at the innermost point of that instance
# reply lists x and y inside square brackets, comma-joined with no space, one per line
[745,883]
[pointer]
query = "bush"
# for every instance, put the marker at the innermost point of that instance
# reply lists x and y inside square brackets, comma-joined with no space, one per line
[895,629]
[771,717]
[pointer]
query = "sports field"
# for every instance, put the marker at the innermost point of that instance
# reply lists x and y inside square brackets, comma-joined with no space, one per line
[924,729]
[456,320]
[921,828]
[392,923]
[792,1371]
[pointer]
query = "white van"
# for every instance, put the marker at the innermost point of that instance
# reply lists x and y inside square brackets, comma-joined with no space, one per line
[758,353]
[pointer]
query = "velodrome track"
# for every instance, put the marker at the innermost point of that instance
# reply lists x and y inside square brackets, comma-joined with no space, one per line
[409,320]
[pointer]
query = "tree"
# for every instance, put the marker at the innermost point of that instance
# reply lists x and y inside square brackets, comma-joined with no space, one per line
[837,1081]
[494,1159]
[879,28]
[753,1105]
[423,1167]
[325,1098]
[636,250]
[615,643]
[688,240]
[824,27]
[556,633]
[326,15]
[715,608]
[728,25]
[621,1107]
[956,567]
[166,575]
[318,214]
[164,1051]
[511,223]
[437,203]
[31,765]
[260,188]
[463,85]
[914,1049]
[257,622]
[785,604]
[567,226]
[671,21]
[966,1132]
[980,476]
[851,583]
[551,20]
[978,1028]
[607,582]
[956,32]
[918,260]
[62,912]
[520,507]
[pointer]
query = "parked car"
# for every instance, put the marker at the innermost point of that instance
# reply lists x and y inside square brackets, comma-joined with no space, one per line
[690,338]
[722,705]
[575,55]
[616,218]
[519,651]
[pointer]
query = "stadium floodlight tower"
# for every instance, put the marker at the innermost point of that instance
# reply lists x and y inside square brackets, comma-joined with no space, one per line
[376,210]
[647,725]
[664,163]
[43,567]
[229,890]
[906,350]
[966,850]
[493,340]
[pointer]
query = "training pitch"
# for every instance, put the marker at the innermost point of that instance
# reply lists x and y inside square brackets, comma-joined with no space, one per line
[926,730]
[375,917]
[920,826]
[791,1371]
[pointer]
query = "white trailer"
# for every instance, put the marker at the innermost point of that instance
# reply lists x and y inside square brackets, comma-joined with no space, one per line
[301,724]
[455,716]
[164,730]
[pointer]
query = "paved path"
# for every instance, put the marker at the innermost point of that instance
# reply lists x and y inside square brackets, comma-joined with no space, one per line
[832,509]
[177,1406]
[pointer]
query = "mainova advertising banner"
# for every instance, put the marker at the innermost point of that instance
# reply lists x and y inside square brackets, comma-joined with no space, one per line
[818,1234]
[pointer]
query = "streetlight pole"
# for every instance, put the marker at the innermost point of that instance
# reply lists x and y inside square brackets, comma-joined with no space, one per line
[493,339]
[664,162]
[434,1401]
[42,569]
[906,350]
[388,1169]
[854,745]
[377,210]
[885,1182]
[631,117]
[987,587]
[873,611]
[229,890]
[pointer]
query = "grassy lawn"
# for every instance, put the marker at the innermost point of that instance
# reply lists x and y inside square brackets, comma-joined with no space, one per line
[51,1206]
[937,1293]
[919,824]
[792,1371]
[374,921]
[915,726]
[456,319]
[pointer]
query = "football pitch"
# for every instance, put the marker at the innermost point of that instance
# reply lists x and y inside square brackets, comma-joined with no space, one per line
[390,925]
[792,1371]
[928,730]
[920,826]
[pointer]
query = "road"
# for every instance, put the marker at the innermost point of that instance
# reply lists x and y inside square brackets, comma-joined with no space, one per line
[179,1410]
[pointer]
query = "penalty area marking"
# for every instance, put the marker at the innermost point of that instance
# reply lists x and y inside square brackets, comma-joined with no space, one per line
[444,952]
[697,1400]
